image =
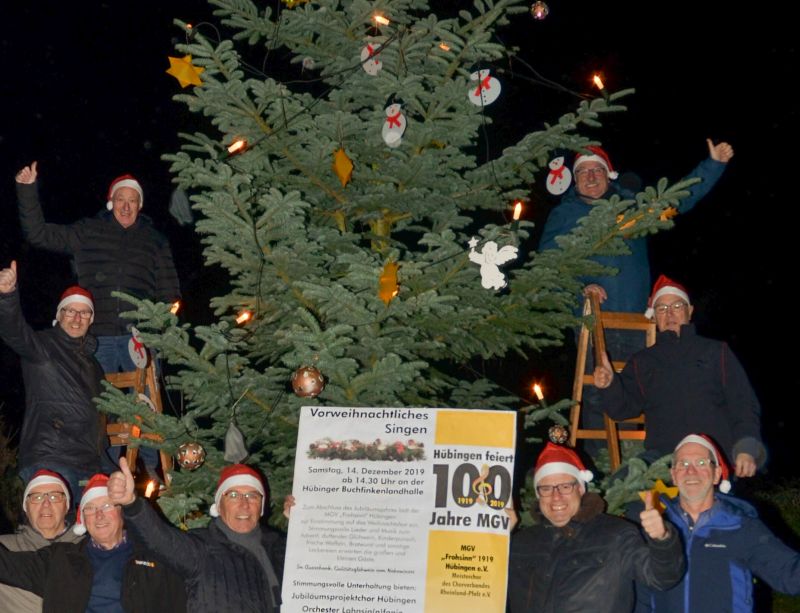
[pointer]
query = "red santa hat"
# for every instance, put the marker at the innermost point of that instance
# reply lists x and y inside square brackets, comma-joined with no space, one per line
[705,441]
[95,488]
[233,475]
[75,294]
[44,477]
[665,285]
[124,181]
[597,155]
[557,459]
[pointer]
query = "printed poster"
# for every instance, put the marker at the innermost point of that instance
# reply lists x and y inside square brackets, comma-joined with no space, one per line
[400,510]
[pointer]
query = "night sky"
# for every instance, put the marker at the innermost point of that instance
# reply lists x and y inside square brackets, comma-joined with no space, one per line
[84,92]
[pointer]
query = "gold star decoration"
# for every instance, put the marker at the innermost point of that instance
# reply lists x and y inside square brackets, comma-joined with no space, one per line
[342,166]
[668,213]
[387,284]
[182,69]
[659,488]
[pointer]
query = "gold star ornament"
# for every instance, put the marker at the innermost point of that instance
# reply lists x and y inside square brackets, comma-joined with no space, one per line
[182,69]
[660,488]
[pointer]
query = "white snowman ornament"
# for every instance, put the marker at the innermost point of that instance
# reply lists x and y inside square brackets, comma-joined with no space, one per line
[369,61]
[394,126]
[137,350]
[490,258]
[559,177]
[485,90]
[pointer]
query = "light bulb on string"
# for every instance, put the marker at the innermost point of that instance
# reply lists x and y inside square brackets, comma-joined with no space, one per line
[239,145]
[176,306]
[244,317]
[537,391]
[598,83]
[380,20]
[517,213]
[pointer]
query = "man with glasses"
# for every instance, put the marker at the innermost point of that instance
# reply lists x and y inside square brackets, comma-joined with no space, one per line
[578,558]
[594,180]
[108,571]
[44,505]
[62,429]
[726,544]
[234,564]
[685,383]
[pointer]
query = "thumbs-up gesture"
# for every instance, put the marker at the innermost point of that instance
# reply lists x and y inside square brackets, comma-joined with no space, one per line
[8,278]
[27,175]
[651,519]
[120,484]
[722,152]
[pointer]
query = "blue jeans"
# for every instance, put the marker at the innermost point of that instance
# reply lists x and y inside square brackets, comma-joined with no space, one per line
[112,353]
[73,476]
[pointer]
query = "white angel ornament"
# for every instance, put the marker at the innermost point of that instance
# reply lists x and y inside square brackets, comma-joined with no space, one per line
[490,258]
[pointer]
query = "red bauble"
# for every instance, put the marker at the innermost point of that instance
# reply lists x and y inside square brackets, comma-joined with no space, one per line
[307,382]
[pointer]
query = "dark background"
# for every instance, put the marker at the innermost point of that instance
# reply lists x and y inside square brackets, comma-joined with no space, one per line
[85,93]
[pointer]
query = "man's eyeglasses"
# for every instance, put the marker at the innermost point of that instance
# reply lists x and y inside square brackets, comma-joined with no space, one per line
[699,464]
[39,497]
[91,509]
[585,172]
[563,488]
[676,307]
[247,496]
[76,313]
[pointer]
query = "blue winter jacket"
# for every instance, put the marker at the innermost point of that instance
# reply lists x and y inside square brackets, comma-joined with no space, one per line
[629,289]
[724,549]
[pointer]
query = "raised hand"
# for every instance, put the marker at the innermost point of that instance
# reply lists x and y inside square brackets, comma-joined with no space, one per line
[651,519]
[27,175]
[745,465]
[8,278]
[720,153]
[120,484]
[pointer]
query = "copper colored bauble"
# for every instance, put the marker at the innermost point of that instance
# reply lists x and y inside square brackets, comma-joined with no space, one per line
[539,10]
[191,456]
[558,434]
[307,382]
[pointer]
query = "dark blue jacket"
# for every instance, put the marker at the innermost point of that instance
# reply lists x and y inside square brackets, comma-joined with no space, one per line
[685,384]
[629,289]
[724,549]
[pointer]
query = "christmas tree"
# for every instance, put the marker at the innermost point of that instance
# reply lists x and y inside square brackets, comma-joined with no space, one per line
[343,183]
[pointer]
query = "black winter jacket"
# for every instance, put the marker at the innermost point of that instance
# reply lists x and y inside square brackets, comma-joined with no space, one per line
[62,575]
[588,565]
[688,384]
[106,258]
[220,575]
[62,424]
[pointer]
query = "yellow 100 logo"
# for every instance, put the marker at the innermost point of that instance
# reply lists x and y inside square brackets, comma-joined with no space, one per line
[491,485]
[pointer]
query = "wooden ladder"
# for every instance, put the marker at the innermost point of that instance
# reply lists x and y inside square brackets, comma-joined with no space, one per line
[605,320]
[142,381]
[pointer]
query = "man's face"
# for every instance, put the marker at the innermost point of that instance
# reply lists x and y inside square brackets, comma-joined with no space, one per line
[672,312]
[126,206]
[240,513]
[695,484]
[47,517]
[560,508]
[104,524]
[591,180]
[75,319]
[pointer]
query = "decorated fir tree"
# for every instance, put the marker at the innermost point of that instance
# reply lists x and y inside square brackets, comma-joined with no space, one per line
[362,226]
